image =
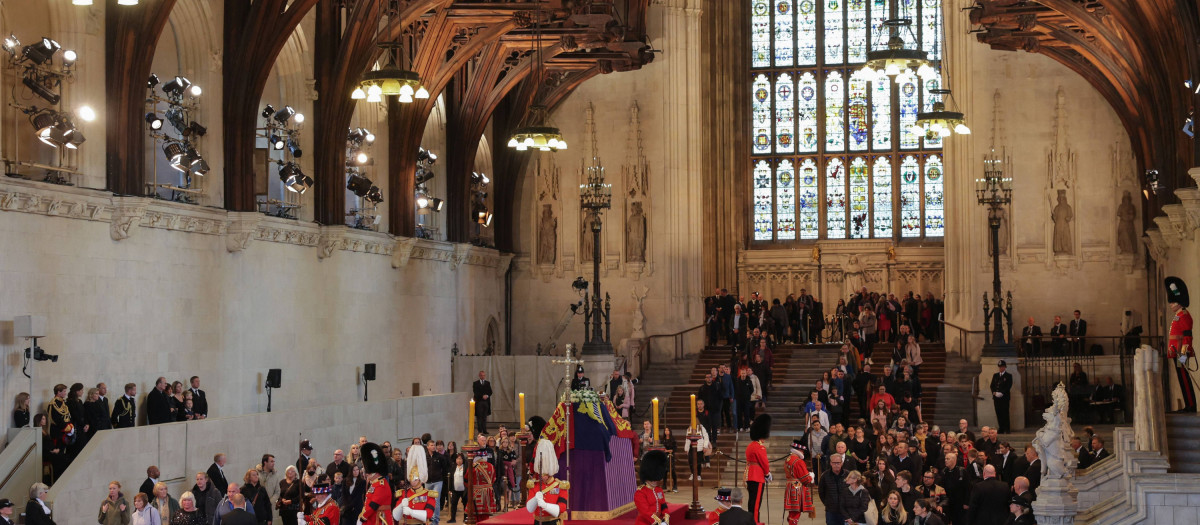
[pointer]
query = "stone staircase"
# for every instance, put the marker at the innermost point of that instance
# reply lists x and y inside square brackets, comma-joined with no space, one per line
[1182,445]
[949,398]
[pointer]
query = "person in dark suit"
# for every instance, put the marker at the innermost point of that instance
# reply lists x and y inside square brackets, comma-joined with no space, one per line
[1098,452]
[736,515]
[1058,337]
[923,509]
[158,409]
[1077,330]
[306,451]
[199,399]
[1031,339]
[95,417]
[1005,461]
[36,511]
[124,412]
[482,392]
[216,473]
[1033,467]
[1002,383]
[147,487]
[738,326]
[239,515]
[1106,398]
[989,500]
[102,392]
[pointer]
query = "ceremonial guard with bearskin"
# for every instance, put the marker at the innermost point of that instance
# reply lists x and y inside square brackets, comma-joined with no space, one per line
[377,505]
[548,495]
[1179,343]
[722,497]
[417,503]
[649,500]
[323,510]
[797,499]
[483,481]
[758,469]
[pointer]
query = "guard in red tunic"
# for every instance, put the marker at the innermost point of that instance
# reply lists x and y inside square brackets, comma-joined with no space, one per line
[416,503]
[377,505]
[713,516]
[649,500]
[1179,343]
[323,510]
[797,499]
[758,469]
[548,496]
[483,482]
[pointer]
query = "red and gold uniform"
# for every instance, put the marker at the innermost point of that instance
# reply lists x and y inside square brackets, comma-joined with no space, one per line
[327,513]
[377,505]
[713,516]
[651,505]
[797,498]
[555,493]
[483,487]
[1179,343]
[758,469]
[421,499]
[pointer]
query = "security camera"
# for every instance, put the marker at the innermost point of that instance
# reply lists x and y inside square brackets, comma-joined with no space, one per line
[40,355]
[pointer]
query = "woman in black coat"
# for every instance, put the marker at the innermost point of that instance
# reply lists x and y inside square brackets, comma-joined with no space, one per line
[82,431]
[256,496]
[94,415]
[353,492]
[36,511]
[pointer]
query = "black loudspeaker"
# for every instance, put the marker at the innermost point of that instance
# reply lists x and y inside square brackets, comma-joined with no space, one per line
[273,379]
[369,372]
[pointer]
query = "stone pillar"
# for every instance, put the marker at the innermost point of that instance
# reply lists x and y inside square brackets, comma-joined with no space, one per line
[1149,415]
[1057,502]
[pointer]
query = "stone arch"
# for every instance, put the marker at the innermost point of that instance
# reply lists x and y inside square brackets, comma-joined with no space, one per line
[491,342]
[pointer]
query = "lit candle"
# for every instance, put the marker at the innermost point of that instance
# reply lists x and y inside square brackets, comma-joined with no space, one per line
[471,422]
[522,397]
[655,401]
[693,428]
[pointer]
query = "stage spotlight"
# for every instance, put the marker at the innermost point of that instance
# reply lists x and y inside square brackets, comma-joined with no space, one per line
[299,118]
[358,184]
[423,175]
[75,139]
[422,200]
[176,86]
[152,81]
[41,90]
[195,91]
[154,120]
[361,158]
[43,122]
[175,117]
[423,155]
[294,179]
[195,129]
[41,52]
[356,135]
[374,195]
[284,114]
[268,111]
[294,148]
[175,153]
[277,142]
[69,57]
[197,166]
[11,44]
[437,204]
[370,137]
[86,113]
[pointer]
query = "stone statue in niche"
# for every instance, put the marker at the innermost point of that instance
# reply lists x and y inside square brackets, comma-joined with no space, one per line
[1061,216]
[635,234]
[852,274]
[1002,233]
[1126,213]
[547,236]
[586,246]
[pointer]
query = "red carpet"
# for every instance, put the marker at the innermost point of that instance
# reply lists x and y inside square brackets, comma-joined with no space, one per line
[523,517]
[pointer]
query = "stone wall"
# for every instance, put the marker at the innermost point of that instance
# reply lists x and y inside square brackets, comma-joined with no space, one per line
[197,291]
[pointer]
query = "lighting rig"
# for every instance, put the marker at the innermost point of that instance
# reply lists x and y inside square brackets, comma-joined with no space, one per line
[175,103]
[281,130]
[479,208]
[43,71]
[365,215]
[425,200]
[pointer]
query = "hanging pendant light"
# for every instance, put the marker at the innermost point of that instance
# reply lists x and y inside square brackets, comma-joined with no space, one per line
[898,60]
[941,121]
[390,80]
[540,134]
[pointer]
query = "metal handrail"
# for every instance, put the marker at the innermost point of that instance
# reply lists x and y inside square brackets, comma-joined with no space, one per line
[644,353]
[963,335]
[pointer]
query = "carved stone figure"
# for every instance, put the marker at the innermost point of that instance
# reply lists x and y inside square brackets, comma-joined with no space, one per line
[1126,238]
[852,274]
[1053,441]
[586,246]
[547,236]
[1061,216]
[635,234]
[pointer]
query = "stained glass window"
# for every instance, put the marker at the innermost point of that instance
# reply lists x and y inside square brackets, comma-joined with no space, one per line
[835,51]
[763,221]
[835,118]
[785,194]
[859,110]
[833,156]
[785,35]
[807,112]
[881,199]
[935,225]
[785,117]
[860,223]
[835,199]
[761,91]
[910,197]
[810,200]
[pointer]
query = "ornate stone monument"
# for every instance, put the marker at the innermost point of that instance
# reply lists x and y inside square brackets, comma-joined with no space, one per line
[1058,500]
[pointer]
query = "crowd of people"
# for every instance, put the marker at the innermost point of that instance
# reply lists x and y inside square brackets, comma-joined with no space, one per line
[1063,338]
[72,417]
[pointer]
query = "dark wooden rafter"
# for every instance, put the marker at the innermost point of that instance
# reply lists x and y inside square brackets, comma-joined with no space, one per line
[1136,53]
[255,32]
[130,39]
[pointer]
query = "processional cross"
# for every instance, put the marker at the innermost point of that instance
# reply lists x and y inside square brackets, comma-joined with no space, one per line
[569,361]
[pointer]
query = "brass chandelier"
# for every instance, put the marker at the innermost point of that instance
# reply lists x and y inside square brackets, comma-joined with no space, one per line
[390,80]
[941,121]
[540,134]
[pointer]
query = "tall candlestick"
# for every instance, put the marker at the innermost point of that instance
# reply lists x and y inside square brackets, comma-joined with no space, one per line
[693,428]
[522,397]
[655,401]
[471,422]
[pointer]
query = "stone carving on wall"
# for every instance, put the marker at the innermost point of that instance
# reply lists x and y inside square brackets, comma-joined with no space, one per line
[403,251]
[639,293]
[1126,214]
[126,214]
[635,234]
[636,196]
[547,236]
[587,246]
[330,242]
[852,275]
[1062,216]
[241,227]
[1062,161]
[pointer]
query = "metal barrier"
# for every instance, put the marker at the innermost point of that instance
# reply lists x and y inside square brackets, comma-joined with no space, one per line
[1101,357]
[964,337]
[644,356]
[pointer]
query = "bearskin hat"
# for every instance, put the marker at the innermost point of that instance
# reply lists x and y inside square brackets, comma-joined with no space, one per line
[1177,291]
[654,466]
[373,459]
[536,425]
[761,427]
